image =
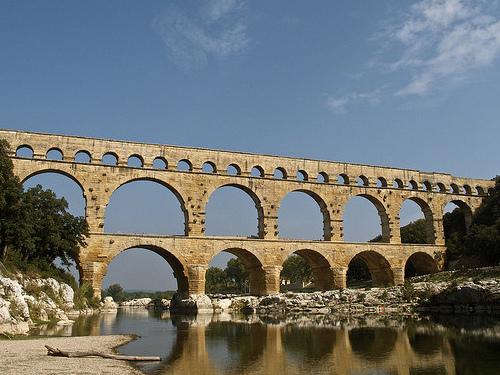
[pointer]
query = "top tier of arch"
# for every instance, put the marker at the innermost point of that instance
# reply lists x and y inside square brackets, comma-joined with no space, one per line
[317,171]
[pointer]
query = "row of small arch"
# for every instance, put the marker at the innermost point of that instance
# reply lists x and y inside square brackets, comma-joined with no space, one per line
[184,165]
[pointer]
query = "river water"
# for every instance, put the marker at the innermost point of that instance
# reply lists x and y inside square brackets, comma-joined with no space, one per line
[238,344]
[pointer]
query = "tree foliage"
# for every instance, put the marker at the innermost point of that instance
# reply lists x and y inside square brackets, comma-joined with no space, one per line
[35,224]
[116,292]
[233,279]
[414,232]
[296,269]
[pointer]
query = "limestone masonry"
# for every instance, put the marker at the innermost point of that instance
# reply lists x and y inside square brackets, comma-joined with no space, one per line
[330,184]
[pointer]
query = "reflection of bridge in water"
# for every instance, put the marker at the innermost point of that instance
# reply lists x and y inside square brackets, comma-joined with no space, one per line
[267,180]
[209,346]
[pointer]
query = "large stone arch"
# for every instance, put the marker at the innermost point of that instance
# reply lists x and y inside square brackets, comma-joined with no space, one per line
[323,207]
[252,194]
[428,217]
[378,266]
[179,266]
[420,263]
[321,268]
[381,210]
[253,265]
[168,186]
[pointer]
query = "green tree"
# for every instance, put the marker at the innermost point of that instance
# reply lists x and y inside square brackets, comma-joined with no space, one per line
[36,224]
[296,269]
[236,273]
[115,291]
[11,213]
[414,232]
[53,231]
[215,280]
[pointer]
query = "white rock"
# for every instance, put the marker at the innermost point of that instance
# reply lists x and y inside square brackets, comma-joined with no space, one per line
[109,304]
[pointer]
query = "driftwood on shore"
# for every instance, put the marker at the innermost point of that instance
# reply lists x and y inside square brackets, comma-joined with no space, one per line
[59,353]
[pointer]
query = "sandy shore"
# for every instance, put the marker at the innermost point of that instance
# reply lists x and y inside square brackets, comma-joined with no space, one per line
[30,356]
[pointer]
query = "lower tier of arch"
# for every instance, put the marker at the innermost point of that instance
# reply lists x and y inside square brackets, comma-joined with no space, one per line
[190,257]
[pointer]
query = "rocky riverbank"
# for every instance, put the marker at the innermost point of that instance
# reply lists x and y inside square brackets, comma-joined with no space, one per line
[473,291]
[25,301]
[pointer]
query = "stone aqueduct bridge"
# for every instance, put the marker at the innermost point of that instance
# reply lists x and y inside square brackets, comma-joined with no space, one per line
[330,184]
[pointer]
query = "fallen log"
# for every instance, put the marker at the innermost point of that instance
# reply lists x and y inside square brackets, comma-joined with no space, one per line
[59,353]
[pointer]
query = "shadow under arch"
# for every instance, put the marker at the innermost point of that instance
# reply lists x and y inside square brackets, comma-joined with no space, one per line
[382,213]
[373,344]
[420,263]
[179,268]
[327,228]
[253,265]
[321,269]
[164,184]
[464,208]
[428,217]
[256,200]
[378,267]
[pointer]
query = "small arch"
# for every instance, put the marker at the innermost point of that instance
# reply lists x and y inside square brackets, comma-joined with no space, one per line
[398,183]
[480,190]
[184,165]
[302,175]
[83,156]
[362,181]
[233,169]
[280,173]
[441,187]
[209,167]
[110,158]
[25,151]
[54,153]
[160,163]
[135,161]
[454,188]
[257,284]
[378,267]
[468,190]
[343,179]
[426,186]
[412,185]
[420,263]
[323,178]
[257,171]
[491,192]
[381,182]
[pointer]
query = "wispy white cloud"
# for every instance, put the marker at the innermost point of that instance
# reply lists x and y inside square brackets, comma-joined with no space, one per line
[216,30]
[443,42]
[435,44]
[339,104]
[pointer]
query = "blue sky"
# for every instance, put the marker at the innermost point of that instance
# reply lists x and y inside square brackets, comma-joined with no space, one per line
[411,84]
